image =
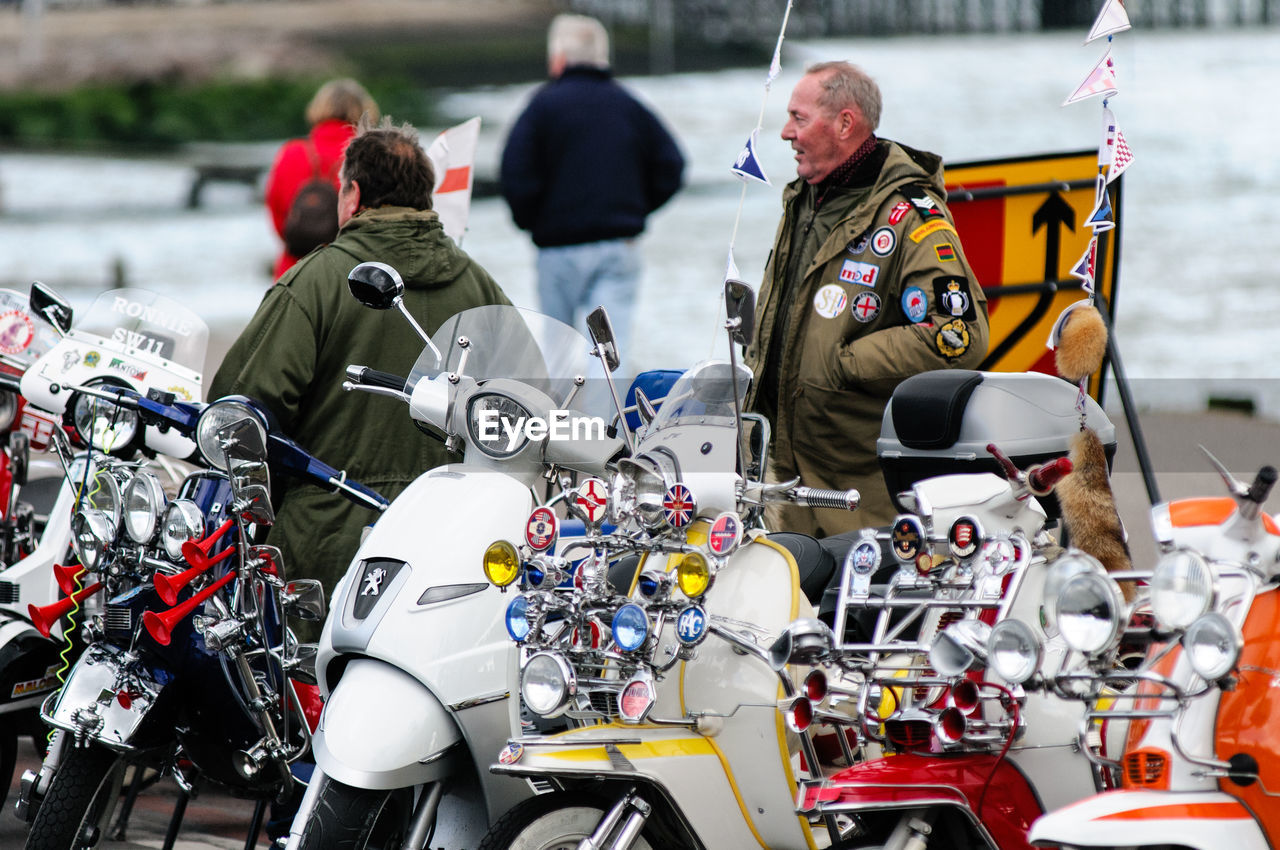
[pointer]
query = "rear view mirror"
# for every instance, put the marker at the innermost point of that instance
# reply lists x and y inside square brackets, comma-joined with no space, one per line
[304,598]
[51,306]
[740,307]
[244,444]
[601,330]
[376,285]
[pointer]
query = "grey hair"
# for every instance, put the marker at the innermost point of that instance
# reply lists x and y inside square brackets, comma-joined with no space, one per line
[848,86]
[580,39]
[344,99]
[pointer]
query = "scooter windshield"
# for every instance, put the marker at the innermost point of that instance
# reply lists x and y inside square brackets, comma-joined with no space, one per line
[515,343]
[24,335]
[704,395]
[149,326]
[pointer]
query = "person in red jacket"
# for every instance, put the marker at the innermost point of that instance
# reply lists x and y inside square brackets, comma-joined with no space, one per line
[332,114]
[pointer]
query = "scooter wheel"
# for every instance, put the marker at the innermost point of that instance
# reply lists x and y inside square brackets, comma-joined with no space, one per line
[556,821]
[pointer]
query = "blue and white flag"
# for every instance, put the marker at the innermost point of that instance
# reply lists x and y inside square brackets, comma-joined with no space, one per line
[747,166]
[1101,219]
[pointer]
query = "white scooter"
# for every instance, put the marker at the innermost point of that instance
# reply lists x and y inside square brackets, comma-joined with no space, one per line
[415,664]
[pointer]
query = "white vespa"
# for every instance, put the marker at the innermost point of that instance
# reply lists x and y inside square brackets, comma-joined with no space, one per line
[414,661]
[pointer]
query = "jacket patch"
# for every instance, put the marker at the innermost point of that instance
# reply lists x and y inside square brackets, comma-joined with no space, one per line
[928,208]
[952,338]
[915,304]
[857,246]
[951,294]
[900,209]
[931,227]
[830,301]
[863,274]
[946,252]
[883,241]
[866,306]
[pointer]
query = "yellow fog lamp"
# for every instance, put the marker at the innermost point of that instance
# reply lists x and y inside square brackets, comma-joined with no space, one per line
[693,575]
[501,563]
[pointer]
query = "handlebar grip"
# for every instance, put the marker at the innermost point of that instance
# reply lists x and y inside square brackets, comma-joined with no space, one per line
[1042,479]
[840,500]
[1262,484]
[373,378]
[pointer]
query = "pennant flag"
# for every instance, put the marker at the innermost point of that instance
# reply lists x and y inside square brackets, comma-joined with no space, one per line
[1085,266]
[1111,20]
[1108,146]
[1121,159]
[1101,81]
[1100,219]
[746,166]
[453,155]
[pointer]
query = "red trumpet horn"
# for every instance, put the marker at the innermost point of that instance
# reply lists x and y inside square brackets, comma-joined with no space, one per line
[43,617]
[66,576]
[196,552]
[168,587]
[160,626]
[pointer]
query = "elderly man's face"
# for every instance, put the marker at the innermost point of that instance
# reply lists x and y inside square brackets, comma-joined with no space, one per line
[821,140]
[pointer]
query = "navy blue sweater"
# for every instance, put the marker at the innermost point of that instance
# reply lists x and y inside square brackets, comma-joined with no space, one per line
[586,161]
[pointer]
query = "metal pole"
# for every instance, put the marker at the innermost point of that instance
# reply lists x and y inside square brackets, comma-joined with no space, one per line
[1130,409]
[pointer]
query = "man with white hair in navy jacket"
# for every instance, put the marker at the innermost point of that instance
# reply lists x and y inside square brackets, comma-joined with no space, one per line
[584,166]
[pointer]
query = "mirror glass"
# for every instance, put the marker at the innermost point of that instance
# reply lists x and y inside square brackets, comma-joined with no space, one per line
[375,285]
[601,330]
[244,444]
[740,305]
[304,598]
[51,305]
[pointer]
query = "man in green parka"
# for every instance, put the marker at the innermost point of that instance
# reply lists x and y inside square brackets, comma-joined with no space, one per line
[867,284]
[294,353]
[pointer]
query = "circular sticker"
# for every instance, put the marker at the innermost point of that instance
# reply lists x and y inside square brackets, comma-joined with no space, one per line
[540,530]
[952,338]
[91,359]
[866,306]
[883,241]
[915,303]
[865,557]
[907,538]
[691,625]
[830,301]
[964,537]
[592,499]
[16,331]
[857,246]
[678,506]
[725,534]
[511,753]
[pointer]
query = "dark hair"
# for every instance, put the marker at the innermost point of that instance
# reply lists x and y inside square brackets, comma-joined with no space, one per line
[390,166]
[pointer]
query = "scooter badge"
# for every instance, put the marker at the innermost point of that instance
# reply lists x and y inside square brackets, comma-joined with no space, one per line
[691,625]
[862,561]
[678,506]
[540,530]
[908,538]
[592,500]
[725,534]
[964,537]
[511,753]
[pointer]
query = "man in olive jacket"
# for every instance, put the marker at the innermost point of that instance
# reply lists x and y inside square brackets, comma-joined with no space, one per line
[867,285]
[294,353]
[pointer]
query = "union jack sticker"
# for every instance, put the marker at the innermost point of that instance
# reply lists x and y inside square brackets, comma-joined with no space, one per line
[678,506]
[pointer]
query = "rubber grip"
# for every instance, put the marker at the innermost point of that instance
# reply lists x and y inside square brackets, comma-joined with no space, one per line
[373,378]
[840,500]
[1262,484]
[1041,479]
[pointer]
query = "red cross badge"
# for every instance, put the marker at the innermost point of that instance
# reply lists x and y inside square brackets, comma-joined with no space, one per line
[679,506]
[725,534]
[592,499]
[540,530]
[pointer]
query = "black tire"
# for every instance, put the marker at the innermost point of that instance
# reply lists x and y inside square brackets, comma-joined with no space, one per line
[347,818]
[556,821]
[80,798]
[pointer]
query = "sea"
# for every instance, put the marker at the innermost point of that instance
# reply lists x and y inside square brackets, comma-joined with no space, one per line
[1198,299]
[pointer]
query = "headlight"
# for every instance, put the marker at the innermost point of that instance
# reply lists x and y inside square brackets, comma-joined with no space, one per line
[92,531]
[1182,589]
[630,627]
[143,501]
[183,521]
[693,575]
[958,647]
[8,408]
[496,425]
[501,563]
[517,618]
[1059,573]
[1013,651]
[1213,646]
[546,684]
[1088,612]
[103,424]
[642,488]
[213,419]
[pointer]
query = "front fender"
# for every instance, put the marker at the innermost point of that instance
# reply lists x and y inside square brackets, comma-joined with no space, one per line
[383,729]
[110,698]
[1203,820]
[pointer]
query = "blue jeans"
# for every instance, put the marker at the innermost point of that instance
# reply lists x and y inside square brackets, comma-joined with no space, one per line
[575,279]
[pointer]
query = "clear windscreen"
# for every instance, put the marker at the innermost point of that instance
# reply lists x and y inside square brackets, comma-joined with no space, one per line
[24,334]
[520,344]
[704,395]
[149,325]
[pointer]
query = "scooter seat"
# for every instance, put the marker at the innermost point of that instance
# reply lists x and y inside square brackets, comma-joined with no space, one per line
[815,564]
